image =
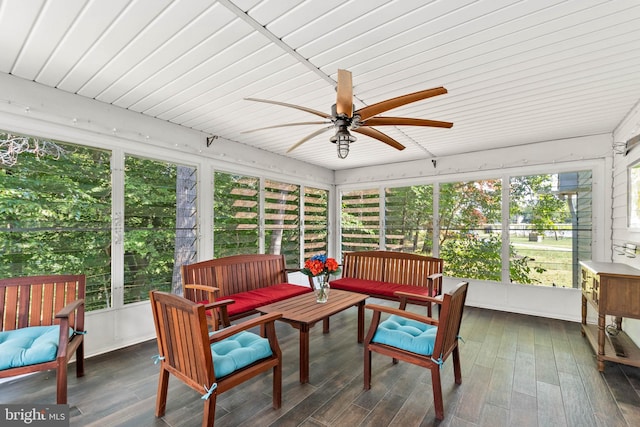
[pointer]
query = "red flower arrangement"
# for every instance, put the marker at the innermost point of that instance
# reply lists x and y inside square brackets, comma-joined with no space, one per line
[319,265]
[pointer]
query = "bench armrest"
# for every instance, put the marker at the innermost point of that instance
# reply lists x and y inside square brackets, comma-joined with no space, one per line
[64,338]
[206,288]
[248,324]
[222,304]
[406,296]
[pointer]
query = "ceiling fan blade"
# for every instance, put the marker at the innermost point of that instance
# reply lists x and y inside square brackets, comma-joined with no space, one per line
[374,133]
[405,121]
[308,137]
[344,99]
[286,125]
[389,104]
[297,107]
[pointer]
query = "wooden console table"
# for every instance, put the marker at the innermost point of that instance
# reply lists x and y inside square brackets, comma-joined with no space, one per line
[612,289]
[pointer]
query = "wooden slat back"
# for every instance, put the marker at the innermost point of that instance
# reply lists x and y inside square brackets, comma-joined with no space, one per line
[237,273]
[393,267]
[35,300]
[450,320]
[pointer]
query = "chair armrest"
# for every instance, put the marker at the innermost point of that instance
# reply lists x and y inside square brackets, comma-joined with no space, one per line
[69,308]
[435,276]
[403,313]
[248,324]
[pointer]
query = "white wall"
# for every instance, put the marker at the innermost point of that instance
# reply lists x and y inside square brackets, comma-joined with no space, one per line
[621,233]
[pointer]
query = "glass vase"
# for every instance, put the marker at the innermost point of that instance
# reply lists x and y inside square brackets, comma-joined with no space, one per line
[321,288]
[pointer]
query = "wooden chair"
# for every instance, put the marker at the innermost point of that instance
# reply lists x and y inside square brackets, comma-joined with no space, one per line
[419,339]
[42,324]
[188,352]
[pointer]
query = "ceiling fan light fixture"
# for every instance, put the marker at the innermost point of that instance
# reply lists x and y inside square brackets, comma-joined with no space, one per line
[344,116]
[342,139]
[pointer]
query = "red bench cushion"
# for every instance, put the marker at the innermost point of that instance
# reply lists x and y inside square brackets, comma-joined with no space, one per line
[372,287]
[250,300]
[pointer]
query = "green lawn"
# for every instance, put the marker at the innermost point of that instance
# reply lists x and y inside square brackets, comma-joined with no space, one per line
[552,255]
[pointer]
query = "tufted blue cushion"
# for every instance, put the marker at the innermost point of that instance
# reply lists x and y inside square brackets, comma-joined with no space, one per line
[29,346]
[406,334]
[238,351]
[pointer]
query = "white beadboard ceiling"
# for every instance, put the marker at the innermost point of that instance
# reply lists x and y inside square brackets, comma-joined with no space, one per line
[517,72]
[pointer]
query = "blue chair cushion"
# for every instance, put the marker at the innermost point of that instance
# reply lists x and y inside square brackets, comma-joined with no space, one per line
[406,334]
[29,346]
[238,351]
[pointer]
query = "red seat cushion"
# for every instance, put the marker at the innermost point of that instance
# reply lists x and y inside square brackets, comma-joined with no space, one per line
[372,287]
[250,300]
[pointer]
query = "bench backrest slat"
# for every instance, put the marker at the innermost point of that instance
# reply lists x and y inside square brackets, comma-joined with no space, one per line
[237,273]
[393,267]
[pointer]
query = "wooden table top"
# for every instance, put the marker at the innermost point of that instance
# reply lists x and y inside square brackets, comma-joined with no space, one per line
[305,309]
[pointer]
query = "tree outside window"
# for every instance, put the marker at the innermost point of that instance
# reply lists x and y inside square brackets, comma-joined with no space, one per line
[236,214]
[408,219]
[316,221]
[360,221]
[550,226]
[470,238]
[56,218]
[282,220]
[159,226]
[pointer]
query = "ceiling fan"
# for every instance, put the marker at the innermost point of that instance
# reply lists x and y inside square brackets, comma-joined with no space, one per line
[344,118]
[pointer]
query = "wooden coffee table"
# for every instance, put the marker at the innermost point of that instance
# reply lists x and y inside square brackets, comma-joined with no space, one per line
[302,312]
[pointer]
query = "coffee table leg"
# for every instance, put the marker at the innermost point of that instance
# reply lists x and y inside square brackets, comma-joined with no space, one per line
[304,353]
[361,322]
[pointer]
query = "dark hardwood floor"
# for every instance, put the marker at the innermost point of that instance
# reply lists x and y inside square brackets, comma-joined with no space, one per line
[517,371]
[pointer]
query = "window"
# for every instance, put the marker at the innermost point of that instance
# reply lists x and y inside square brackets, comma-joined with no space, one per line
[282,221]
[159,225]
[56,218]
[360,220]
[316,221]
[409,219]
[549,227]
[237,222]
[236,217]
[470,240]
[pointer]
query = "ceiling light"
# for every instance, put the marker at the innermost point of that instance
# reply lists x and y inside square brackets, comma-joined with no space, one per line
[343,138]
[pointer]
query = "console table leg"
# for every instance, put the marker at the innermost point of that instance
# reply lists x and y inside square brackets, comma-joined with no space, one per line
[601,338]
[584,313]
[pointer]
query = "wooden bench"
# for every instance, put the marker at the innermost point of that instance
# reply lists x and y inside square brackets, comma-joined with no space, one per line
[389,275]
[42,326]
[239,284]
